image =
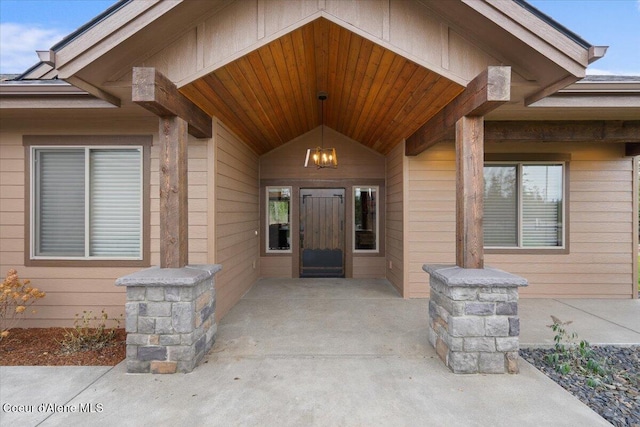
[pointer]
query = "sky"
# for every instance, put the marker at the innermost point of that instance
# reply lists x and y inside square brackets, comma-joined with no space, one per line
[30,25]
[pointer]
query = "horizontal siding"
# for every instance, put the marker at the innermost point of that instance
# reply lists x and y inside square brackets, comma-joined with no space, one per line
[600,262]
[368,267]
[72,290]
[430,215]
[394,223]
[276,266]
[198,207]
[236,219]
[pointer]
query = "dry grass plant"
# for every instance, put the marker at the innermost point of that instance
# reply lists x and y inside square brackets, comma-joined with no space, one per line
[90,333]
[15,297]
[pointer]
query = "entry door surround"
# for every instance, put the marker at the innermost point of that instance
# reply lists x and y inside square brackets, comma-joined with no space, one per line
[322,232]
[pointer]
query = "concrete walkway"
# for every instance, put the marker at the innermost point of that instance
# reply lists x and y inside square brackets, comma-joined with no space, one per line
[323,353]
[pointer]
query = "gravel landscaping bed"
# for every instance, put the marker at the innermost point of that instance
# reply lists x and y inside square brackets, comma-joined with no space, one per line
[617,399]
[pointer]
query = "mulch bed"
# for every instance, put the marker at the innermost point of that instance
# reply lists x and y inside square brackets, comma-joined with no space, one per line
[41,347]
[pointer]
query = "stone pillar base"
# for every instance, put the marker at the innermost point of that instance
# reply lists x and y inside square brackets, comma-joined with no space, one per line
[473,318]
[170,318]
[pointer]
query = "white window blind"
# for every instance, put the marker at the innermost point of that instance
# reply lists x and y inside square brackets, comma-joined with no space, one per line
[500,206]
[87,203]
[115,222]
[60,203]
[542,205]
[523,205]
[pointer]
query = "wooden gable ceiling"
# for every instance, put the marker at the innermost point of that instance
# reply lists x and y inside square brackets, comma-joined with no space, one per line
[270,96]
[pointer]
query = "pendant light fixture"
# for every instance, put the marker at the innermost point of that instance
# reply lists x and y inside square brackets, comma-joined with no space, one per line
[320,156]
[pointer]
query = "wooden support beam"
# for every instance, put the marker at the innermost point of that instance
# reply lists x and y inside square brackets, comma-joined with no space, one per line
[563,131]
[93,90]
[469,192]
[551,89]
[632,149]
[152,90]
[608,131]
[174,237]
[486,92]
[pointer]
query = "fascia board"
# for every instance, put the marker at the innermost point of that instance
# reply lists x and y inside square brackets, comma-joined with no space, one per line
[536,33]
[108,33]
[39,88]
[603,87]
[37,71]
[39,94]
[52,102]
[603,100]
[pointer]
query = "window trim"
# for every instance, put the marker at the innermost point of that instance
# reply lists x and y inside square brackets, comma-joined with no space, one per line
[353,221]
[540,158]
[32,142]
[266,220]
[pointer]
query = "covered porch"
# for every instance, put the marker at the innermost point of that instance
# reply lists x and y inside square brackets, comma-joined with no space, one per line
[325,352]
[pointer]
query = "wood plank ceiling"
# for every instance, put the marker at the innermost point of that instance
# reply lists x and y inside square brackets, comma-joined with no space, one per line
[269,96]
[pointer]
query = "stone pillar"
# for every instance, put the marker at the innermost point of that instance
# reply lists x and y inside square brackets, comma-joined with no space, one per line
[473,318]
[170,318]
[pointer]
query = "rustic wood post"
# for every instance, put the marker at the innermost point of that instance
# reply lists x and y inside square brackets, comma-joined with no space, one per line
[470,191]
[174,239]
[466,112]
[178,116]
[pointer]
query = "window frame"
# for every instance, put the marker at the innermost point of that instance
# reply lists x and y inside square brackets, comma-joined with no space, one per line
[31,143]
[266,220]
[353,220]
[541,160]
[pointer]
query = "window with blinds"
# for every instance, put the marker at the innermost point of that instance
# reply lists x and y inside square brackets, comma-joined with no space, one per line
[524,205]
[87,203]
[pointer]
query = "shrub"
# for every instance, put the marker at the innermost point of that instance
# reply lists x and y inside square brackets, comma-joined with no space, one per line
[572,356]
[89,333]
[15,297]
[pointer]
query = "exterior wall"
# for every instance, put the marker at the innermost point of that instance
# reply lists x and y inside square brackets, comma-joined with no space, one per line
[395,217]
[406,27]
[71,290]
[600,262]
[197,182]
[357,165]
[236,218]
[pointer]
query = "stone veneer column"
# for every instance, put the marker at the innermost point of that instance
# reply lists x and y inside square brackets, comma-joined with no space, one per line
[473,318]
[170,318]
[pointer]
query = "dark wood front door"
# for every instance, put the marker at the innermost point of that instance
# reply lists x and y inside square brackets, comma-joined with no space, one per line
[322,232]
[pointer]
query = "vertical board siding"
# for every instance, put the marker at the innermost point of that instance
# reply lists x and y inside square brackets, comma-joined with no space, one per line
[232,29]
[600,262]
[236,220]
[394,219]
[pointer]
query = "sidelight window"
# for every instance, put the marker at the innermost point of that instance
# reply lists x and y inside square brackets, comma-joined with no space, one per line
[365,218]
[278,219]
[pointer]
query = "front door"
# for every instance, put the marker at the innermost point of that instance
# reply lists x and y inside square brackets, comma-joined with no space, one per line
[322,232]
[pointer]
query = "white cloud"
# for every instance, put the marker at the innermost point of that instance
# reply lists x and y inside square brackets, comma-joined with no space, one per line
[19,42]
